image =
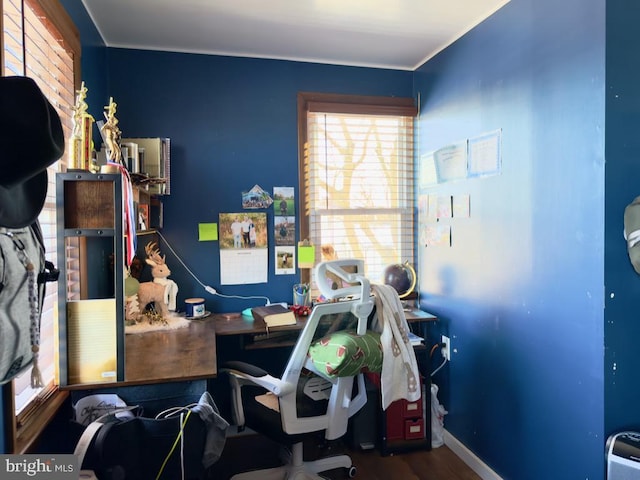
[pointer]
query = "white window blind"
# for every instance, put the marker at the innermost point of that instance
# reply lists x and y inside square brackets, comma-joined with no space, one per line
[359,187]
[40,41]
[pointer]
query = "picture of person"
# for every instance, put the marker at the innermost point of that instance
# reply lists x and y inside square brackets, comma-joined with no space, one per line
[256,198]
[284,230]
[143,217]
[236,231]
[285,260]
[246,226]
[284,201]
[252,235]
[243,230]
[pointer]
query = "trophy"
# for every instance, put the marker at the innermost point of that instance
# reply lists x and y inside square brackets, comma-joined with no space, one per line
[111,133]
[81,136]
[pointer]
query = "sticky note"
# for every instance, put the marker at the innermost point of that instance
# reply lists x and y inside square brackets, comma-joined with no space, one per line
[207,232]
[306,256]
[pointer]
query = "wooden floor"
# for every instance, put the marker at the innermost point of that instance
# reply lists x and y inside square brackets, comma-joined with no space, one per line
[250,452]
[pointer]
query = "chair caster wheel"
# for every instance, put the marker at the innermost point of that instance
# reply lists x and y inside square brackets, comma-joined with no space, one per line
[352,472]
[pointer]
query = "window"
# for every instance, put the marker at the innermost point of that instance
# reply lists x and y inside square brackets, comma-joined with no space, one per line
[356,178]
[40,41]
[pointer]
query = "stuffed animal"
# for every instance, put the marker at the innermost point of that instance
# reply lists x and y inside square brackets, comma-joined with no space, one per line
[160,271]
[161,291]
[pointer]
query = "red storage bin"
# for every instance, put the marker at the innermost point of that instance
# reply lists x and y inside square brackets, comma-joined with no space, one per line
[411,409]
[414,429]
[403,420]
[395,425]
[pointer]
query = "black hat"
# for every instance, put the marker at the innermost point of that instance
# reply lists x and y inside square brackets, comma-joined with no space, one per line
[31,139]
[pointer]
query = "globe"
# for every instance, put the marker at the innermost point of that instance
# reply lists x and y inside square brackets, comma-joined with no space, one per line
[402,277]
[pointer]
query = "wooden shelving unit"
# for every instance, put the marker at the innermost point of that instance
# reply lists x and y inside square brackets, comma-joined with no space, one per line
[90,289]
[94,349]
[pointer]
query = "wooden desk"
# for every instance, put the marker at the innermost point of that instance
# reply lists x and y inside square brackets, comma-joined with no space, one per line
[241,325]
[249,327]
[417,315]
[187,353]
[182,354]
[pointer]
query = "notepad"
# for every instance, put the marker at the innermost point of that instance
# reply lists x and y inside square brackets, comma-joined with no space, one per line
[274,315]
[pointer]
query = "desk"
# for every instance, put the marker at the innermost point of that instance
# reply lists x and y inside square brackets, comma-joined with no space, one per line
[241,325]
[251,330]
[187,353]
[182,354]
[246,328]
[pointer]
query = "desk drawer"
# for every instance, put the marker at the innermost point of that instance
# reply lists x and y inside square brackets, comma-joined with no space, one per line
[411,409]
[414,429]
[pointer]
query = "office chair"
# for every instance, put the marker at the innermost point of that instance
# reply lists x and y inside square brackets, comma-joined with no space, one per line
[294,415]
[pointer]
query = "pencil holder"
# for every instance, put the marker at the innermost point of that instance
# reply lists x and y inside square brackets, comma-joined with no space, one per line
[301,294]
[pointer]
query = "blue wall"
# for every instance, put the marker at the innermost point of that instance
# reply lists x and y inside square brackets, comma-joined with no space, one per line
[232,124]
[622,327]
[520,291]
[93,60]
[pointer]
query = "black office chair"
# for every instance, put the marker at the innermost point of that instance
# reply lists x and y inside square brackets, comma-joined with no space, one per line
[285,409]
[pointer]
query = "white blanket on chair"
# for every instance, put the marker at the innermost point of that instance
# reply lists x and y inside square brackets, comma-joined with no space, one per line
[400,375]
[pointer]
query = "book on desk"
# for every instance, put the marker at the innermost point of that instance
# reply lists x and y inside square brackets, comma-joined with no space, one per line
[274,315]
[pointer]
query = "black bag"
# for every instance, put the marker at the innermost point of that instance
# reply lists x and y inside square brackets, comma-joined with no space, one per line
[127,447]
[23,273]
[31,139]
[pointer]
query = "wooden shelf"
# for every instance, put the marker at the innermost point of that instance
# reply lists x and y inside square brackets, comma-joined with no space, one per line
[91,252]
[89,204]
[91,303]
[149,231]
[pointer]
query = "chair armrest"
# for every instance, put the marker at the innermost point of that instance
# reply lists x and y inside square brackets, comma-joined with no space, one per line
[246,374]
[244,367]
[240,374]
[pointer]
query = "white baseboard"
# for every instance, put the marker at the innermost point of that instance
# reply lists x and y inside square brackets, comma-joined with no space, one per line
[470,458]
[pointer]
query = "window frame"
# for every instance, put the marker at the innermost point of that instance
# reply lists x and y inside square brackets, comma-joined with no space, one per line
[339,104]
[25,428]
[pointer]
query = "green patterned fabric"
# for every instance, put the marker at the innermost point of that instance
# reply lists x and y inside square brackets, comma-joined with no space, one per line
[344,353]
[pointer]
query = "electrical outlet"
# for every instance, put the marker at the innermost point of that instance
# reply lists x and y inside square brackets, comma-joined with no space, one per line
[446,350]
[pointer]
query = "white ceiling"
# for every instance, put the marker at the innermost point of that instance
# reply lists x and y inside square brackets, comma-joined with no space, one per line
[398,34]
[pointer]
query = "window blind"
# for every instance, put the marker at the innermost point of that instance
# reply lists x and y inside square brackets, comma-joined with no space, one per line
[358,183]
[40,41]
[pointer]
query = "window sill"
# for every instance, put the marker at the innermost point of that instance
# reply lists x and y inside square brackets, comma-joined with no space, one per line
[29,430]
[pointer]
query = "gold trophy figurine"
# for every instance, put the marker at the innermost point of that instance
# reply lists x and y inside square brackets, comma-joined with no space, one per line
[81,135]
[111,133]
